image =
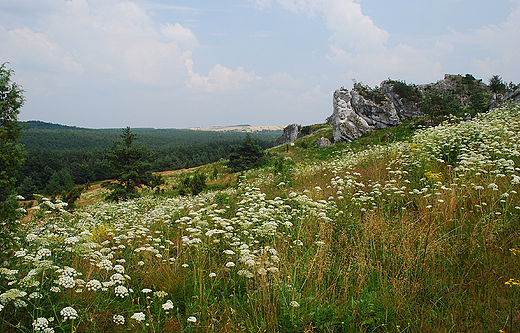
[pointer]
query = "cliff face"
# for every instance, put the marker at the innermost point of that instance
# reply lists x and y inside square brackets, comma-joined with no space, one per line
[354,113]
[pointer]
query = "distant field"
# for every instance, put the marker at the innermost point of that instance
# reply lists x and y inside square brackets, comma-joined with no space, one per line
[238,128]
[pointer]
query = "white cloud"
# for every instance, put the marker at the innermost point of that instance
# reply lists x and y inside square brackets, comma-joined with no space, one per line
[104,37]
[180,34]
[495,47]
[219,79]
[35,50]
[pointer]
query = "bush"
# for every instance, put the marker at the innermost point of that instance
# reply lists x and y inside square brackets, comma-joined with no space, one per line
[193,185]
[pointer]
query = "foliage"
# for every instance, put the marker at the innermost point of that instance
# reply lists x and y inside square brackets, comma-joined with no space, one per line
[11,153]
[79,153]
[372,94]
[497,85]
[70,196]
[438,103]
[408,92]
[246,155]
[127,165]
[193,185]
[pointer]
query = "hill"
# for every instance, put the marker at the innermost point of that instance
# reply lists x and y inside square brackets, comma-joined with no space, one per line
[41,135]
[58,157]
[415,231]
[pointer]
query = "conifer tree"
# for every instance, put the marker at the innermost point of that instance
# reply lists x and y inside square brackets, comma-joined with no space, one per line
[126,161]
[246,155]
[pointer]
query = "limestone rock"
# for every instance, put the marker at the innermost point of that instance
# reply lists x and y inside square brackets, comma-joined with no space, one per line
[290,134]
[323,142]
[512,96]
[354,115]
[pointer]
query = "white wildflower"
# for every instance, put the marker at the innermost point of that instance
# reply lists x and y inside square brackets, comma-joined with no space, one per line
[119,319]
[294,304]
[93,285]
[139,316]
[69,313]
[168,305]
[121,291]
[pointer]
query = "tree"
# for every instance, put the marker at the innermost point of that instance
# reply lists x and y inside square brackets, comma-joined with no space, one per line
[246,155]
[497,85]
[439,103]
[193,185]
[126,162]
[11,153]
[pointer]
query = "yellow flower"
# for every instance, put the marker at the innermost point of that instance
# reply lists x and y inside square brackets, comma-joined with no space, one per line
[433,176]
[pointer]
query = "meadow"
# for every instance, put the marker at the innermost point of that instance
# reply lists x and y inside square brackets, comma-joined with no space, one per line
[414,235]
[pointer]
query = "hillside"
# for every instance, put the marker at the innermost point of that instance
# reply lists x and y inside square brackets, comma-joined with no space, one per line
[58,157]
[41,135]
[413,231]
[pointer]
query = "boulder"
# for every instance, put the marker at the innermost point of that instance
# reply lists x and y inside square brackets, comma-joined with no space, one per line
[323,142]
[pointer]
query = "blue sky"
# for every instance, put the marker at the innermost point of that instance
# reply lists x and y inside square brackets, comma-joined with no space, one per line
[178,64]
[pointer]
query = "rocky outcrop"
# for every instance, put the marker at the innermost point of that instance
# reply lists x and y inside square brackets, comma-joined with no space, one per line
[290,134]
[365,109]
[353,114]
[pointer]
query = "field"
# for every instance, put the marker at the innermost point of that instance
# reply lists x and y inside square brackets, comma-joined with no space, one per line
[414,234]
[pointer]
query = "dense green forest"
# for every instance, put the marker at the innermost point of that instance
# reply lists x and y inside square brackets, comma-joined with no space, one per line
[58,157]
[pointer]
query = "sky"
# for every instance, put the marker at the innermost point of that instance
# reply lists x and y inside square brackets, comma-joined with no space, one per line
[180,64]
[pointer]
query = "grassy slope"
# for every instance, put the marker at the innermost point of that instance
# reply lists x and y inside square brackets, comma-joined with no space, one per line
[391,233]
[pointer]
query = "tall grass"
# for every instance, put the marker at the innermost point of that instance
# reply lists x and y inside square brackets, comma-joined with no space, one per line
[410,236]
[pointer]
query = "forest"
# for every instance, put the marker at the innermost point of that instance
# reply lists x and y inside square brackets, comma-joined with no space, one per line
[58,157]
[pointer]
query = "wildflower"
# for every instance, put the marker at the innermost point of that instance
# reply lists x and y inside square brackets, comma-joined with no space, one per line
[93,285]
[192,319]
[67,281]
[294,304]
[121,291]
[69,313]
[168,305]
[211,275]
[20,253]
[119,319]
[185,265]
[229,252]
[146,291]
[119,269]
[117,278]
[105,264]
[40,324]
[139,316]
[230,264]
[19,303]
[160,294]
[140,263]
[43,253]
[71,240]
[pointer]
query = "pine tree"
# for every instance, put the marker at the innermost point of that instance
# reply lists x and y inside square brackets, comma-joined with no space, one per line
[126,161]
[246,155]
